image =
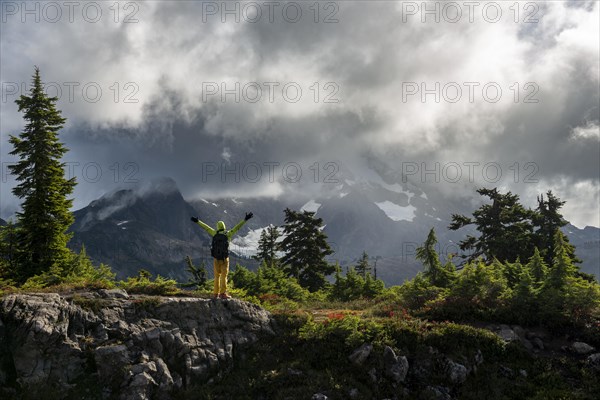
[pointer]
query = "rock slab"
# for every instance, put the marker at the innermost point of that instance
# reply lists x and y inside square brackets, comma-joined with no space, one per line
[137,347]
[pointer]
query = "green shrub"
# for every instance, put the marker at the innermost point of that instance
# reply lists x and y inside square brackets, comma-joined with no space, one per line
[455,338]
[142,284]
[268,280]
[78,273]
[343,328]
[418,291]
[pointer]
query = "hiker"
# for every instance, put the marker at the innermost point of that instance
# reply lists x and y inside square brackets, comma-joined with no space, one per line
[219,249]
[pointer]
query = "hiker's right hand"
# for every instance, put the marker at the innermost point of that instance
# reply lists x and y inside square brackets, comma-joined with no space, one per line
[194,219]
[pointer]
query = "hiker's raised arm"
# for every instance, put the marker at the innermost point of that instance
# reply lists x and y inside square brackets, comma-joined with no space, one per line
[239,225]
[204,226]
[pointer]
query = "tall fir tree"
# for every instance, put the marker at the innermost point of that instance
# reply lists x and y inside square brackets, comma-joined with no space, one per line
[363,268]
[267,246]
[562,266]
[547,219]
[505,227]
[537,267]
[431,261]
[45,216]
[305,248]
[524,294]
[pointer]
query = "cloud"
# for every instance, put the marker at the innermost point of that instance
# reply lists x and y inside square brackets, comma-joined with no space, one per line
[379,83]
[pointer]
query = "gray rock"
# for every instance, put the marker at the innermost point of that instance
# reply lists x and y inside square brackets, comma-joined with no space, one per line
[354,393]
[538,343]
[505,371]
[526,343]
[457,373]
[519,331]
[523,373]
[136,349]
[478,357]
[319,396]
[507,334]
[373,375]
[163,375]
[396,367]
[436,393]
[360,355]
[582,348]
[593,361]
[113,293]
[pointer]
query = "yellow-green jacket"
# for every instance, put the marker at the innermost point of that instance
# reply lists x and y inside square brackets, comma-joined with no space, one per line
[221,227]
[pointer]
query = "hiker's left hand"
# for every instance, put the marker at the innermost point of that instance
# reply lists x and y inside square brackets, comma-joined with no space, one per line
[248,216]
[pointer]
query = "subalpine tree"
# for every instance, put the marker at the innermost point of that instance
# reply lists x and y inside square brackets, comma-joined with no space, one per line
[363,267]
[537,267]
[198,274]
[562,267]
[547,219]
[45,216]
[305,248]
[505,227]
[431,261]
[267,246]
[524,298]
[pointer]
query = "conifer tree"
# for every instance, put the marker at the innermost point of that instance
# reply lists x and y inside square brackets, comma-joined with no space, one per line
[505,227]
[547,220]
[198,274]
[450,270]
[524,296]
[305,248]
[537,267]
[562,267]
[45,216]
[267,246]
[363,267]
[430,259]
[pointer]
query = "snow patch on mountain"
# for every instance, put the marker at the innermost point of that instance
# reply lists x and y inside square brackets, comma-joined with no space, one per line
[396,212]
[311,206]
[246,245]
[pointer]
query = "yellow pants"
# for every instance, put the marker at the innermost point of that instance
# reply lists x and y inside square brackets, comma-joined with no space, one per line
[221,269]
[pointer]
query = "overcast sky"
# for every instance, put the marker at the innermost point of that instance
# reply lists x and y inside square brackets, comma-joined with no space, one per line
[188,88]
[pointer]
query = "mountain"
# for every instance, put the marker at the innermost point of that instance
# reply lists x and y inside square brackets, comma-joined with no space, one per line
[149,227]
[2,222]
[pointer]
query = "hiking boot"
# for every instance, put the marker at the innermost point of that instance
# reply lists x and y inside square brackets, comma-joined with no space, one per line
[216,296]
[225,296]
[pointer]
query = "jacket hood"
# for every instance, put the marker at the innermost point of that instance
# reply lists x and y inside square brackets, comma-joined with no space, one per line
[220,226]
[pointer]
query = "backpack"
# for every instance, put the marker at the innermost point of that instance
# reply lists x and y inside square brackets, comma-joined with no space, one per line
[219,248]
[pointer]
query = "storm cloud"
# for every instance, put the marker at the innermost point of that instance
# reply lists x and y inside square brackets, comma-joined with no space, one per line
[234,98]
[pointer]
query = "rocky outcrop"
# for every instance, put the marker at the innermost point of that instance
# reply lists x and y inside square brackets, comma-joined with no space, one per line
[582,348]
[136,347]
[396,367]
